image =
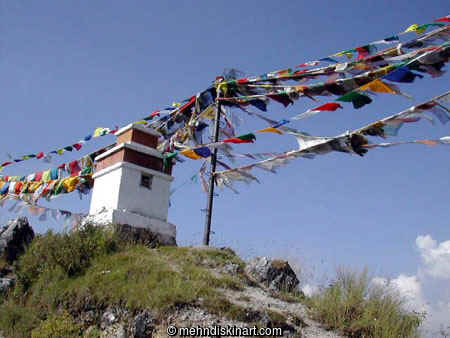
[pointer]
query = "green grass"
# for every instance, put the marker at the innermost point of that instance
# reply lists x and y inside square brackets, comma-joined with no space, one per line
[358,309]
[92,269]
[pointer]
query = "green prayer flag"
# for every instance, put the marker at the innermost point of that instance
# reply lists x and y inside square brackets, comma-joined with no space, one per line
[247,137]
[359,100]
[167,157]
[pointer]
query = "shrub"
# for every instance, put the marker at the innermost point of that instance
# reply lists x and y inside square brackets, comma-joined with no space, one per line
[354,306]
[70,252]
[61,325]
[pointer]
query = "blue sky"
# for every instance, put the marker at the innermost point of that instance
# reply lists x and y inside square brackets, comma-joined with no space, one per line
[69,67]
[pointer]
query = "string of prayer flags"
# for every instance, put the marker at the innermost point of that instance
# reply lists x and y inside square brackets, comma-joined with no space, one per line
[33,190]
[366,53]
[181,124]
[348,90]
[43,213]
[77,146]
[422,28]
[349,142]
[390,125]
[82,166]
[442,140]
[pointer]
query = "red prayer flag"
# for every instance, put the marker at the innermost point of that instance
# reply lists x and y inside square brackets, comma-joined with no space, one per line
[187,104]
[236,140]
[443,19]
[40,155]
[331,106]
[116,128]
[77,146]
[363,52]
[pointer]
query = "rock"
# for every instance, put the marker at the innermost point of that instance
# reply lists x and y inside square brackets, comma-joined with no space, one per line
[5,285]
[276,274]
[231,268]
[14,236]
[115,331]
[108,319]
[142,236]
[142,325]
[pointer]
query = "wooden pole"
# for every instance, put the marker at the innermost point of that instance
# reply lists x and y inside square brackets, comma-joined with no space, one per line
[212,173]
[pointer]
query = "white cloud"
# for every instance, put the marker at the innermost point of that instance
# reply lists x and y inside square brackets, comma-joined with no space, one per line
[408,287]
[309,289]
[436,257]
[428,290]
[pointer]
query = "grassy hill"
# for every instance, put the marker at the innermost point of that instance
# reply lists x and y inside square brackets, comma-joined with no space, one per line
[92,283]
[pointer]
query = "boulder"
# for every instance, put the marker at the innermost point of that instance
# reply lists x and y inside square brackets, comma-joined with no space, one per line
[14,236]
[275,274]
[5,285]
[142,325]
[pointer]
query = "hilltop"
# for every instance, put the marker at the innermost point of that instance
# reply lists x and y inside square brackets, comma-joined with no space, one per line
[104,282]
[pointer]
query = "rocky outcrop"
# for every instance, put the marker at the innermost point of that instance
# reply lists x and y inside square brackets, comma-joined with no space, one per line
[14,236]
[275,274]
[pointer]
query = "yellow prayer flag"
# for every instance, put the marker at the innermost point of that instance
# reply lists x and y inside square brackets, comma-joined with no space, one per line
[338,54]
[140,122]
[223,88]
[379,87]
[191,154]
[60,151]
[33,186]
[300,88]
[415,28]
[270,130]
[71,183]
[98,132]
[284,72]
[209,113]
[176,104]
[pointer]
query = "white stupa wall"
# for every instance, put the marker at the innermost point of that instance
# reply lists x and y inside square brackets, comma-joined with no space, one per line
[119,187]
[135,198]
[122,196]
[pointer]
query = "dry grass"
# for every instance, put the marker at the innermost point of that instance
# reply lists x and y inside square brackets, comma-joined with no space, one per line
[358,309]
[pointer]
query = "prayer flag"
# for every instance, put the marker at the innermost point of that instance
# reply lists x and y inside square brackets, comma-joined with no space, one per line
[379,86]
[191,154]
[358,100]
[247,138]
[270,130]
